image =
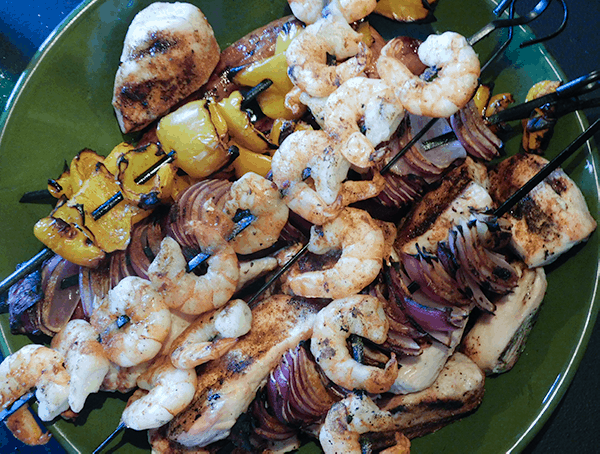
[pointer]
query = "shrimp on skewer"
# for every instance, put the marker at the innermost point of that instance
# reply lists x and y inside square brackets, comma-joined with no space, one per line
[370,103]
[307,56]
[170,391]
[262,199]
[351,417]
[362,315]
[36,366]
[132,321]
[185,291]
[454,85]
[363,247]
[211,335]
[85,360]
[310,171]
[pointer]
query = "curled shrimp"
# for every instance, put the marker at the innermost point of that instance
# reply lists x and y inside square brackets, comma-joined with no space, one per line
[362,244]
[123,379]
[370,103]
[36,366]
[310,172]
[185,291]
[261,198]
[358,314]
[170,391]
[85,360]
[454,85]
[310,11]
[211,335]
[132,321]
[307,56]
[351,417]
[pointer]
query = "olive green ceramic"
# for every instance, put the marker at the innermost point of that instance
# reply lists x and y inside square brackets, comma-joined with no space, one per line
[62,105]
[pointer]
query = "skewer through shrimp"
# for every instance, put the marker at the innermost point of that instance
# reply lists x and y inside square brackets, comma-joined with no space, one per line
[36,366]
[454,85]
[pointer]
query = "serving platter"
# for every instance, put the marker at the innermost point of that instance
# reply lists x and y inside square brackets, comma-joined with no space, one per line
[62,104]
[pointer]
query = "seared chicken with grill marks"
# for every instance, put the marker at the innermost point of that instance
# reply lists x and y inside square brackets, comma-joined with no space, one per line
[227,386]
[551,219]
[444,207]
[496,340]
[169,52]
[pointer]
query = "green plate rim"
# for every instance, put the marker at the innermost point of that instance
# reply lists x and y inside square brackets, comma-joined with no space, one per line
[554,395]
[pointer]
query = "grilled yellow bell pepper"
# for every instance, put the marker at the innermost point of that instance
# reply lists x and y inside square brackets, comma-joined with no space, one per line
[62,232]
[196,132]
[239,126]
[70,181]
[403,10]
[539,127]
[249,161]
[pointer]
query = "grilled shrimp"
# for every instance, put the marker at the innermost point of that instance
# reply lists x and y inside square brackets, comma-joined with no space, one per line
[132,321]
[261,198]
[185,291]
[362,243]
[170,391]
[351,417]
[307,158]
[85,360]
[362,113]
[36,366]
[211,335]
[124,379]
[309,11]
[307,56]
[454,85]
[362,315]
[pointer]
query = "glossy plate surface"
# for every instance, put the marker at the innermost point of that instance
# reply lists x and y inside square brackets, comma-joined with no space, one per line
[62,105]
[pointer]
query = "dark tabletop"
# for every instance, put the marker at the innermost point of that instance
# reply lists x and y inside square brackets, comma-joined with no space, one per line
[575,425]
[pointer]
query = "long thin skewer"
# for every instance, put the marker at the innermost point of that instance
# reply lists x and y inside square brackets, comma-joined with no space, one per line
[16,405]
[119,428]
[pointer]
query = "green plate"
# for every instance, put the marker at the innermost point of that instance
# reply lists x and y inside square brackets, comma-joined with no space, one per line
[62,105]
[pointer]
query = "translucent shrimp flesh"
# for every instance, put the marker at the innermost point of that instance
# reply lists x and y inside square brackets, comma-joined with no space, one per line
[211,335]
[85,360]
[170,391]
[362,315]
[40,367]
[132,321]
[456,81]
[362,113]
[185,291]
[362,245]
[261,198]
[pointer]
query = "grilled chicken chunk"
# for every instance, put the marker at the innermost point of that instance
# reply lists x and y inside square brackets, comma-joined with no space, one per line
[464,188]
[496,340]
[227,386]
[457,391]
[169,52]
[551,219]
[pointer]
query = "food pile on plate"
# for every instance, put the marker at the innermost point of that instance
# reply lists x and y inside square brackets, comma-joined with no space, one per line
[259,268]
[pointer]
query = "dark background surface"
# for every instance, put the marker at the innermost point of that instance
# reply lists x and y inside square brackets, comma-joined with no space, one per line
[575,425]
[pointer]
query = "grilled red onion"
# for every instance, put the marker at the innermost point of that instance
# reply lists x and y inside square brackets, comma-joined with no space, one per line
[295,390]
[202,201]
[94,284]
[470,128]
[146,237]
[268,426]
[425,314]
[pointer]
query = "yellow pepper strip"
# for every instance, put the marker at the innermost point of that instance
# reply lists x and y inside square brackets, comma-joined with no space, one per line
[240,127]
[403,10]
[133,164]
[498,102]
[249,161]
[70,181]
[482,98]
[195,132]
[536,139]
[62,233]
[112,231]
